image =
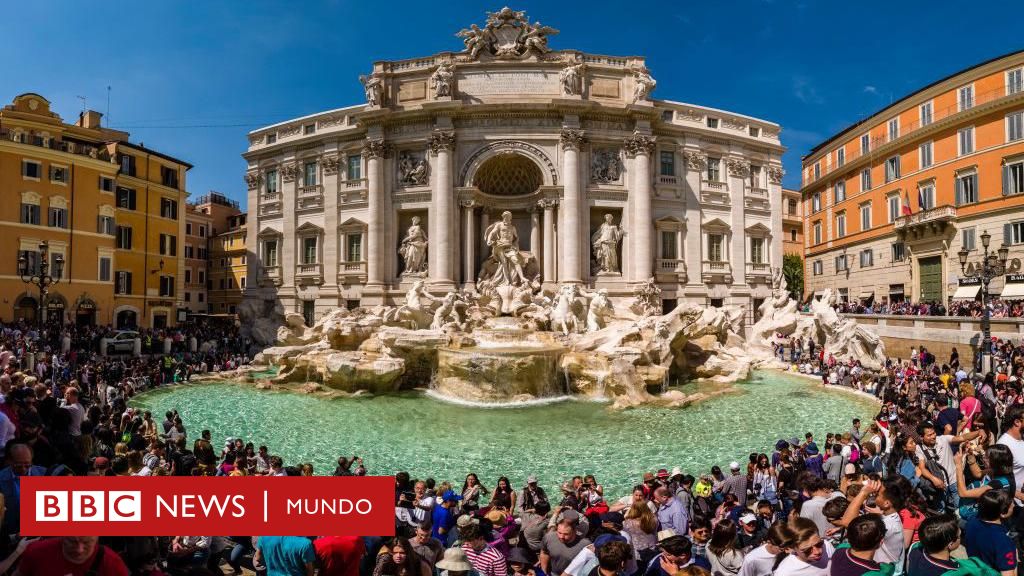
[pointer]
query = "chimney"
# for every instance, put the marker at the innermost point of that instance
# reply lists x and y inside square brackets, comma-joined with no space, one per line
[89,119]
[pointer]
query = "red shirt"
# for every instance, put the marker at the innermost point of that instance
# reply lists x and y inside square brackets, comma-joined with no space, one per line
[339,555]
[45,558]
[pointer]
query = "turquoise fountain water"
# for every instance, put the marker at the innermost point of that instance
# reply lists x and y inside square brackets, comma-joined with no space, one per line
[554,441]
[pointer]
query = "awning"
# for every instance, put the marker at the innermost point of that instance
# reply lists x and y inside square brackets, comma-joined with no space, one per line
[866,295]
[966,292]
[1014,290]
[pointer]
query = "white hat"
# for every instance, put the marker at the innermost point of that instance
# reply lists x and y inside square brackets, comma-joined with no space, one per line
[455,560]
[666,534]
[677,471]
[747,518]
[734,465]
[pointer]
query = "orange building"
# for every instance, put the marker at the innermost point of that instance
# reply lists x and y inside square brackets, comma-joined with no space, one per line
[792,223]
[888,202]
[108,207]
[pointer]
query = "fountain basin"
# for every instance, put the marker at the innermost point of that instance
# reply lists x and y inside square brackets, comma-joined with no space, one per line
[499,374]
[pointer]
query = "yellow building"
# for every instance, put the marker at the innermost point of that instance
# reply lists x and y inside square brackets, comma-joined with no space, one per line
[108,207]
[228,265]
[198,229]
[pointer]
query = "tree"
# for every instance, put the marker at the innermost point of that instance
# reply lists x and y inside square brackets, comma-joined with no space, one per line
[793,272]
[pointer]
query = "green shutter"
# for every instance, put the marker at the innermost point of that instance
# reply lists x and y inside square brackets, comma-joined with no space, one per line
[1006,179]
[959,191]
[1008,233]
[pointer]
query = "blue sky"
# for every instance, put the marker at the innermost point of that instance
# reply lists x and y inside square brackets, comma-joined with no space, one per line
[191,78]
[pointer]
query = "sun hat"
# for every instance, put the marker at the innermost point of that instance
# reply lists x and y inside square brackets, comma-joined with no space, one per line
[781,444]
[454,560]
[748,518]
[496,517]
[849,469]
[466,520]
[794,441]
[734,465]
[663,473]
[520,556]
[666,534]
[531,479]
[676,471]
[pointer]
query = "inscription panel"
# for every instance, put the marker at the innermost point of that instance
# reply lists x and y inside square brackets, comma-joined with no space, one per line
[409,91]
[604,88]
[508,82]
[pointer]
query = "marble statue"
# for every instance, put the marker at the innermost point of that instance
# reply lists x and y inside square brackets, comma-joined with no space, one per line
[843,337]
[536,37]
[566,311]
[412,171]
[374,89]
[647,299]
[506,34]
[476,39]
[414,249]
[503,239]
[446,317]
[606,246]
[442,79]
[598,310]
[643,84]
[418,310]
[605,166]
[571,78]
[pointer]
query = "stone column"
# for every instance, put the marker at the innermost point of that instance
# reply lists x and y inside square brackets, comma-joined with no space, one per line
[535,231]
[469,241]
[485,221]
[548,262]
[569,252]
[640,146]
[442,273]
[332,252]
[374,151]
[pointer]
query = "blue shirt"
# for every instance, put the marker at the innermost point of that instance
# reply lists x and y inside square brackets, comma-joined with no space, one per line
[10,486]
[990,544]
[441,518]
[672,515]
[286,555]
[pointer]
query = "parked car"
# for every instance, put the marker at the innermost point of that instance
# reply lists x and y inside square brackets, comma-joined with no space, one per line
[122,342]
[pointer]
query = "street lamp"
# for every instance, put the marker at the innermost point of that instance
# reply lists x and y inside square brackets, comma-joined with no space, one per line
[41,276]
[992,264]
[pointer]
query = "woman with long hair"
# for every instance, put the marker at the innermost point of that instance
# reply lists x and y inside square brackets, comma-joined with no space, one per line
[503,497]
[808,555]
[904,461]
[642,527]
[996,474]
[397,558]
[472,489]
[725,558]
[766,481]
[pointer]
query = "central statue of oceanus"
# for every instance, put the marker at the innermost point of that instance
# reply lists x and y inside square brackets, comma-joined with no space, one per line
[509,276]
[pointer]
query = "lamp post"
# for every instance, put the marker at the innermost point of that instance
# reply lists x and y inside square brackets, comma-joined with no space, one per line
[992,264]
[40,276]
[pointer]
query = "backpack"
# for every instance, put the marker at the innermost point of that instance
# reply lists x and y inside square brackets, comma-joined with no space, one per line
[971,567]
[884,569]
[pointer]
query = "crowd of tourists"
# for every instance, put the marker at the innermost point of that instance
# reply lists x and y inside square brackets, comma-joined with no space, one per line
[964,308]
[927,487]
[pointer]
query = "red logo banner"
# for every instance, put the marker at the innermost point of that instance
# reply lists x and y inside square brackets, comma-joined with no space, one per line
[175,506]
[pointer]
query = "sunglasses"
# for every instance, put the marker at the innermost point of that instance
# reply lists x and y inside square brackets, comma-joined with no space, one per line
[818,546]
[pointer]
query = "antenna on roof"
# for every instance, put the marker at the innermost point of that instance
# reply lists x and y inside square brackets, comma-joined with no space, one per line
[108,106]
[82,98]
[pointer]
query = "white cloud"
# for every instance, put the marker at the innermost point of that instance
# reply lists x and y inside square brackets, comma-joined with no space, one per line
[804,91]
[870,90]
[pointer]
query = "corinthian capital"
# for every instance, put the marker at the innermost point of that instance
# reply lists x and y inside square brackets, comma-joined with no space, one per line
[738,167]
[376,149]
[252,179]
[440,140]
[775,174]
[696,160]
[572,138]
[639,144]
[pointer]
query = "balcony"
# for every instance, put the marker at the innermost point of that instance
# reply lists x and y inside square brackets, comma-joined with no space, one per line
[933,219]
[355,183]
[714,193]
[670,270]
[352,272]
[667,180]
[757,192]
[309,202]
[274,209]
[309,274]
[758,271]
[270,197]
[271,275]
[312,190]
[716,272]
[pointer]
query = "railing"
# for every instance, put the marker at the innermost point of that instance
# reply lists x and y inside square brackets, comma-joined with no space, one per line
[356,183]
[663,179]
[25,137]
[270,197]
[353,266]
[760,192]
[910,128]
[313,190]
[307,269]
[670,265]
[931,215]
[714,185]
[758,269]
[715,267]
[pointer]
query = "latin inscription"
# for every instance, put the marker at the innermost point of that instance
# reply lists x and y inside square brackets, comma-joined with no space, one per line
[511,82]
[412,91]
[604,88]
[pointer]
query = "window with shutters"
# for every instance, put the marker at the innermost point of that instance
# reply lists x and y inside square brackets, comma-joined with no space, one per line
[892,169]
[925,113]
[105,265]
[30,214]
[894,129]
[126,198]
[31,170]
[865,216]
[840,224]
[1013,178]
[57,218]
[128,164]
[840,157]
[894,202]
[865,180]
[169,208]
[105,225]
[841,263]
[965,99]
[123,282]
[1014,81]
[169,177]
[865,144]
[818,267]
[124,237]
[167,286]
[1014,231]
[840,191]
[926,196]
[32,261]
[925,154]
[188,275]
[967,238]
[1014,126]
[168,245]
[966,186]
[817,232]
[867,258]
[816,202]
[965,140]
[59,174]
[106,184]
[898,252]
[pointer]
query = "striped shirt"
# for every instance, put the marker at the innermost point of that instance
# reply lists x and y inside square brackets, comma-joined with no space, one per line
[487,562]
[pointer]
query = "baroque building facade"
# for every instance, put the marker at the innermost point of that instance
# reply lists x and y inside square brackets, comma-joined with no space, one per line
[510,164]
[890,201]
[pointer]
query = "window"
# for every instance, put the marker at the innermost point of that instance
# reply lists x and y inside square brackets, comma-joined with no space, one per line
[271,184]
[865,216]
[58,174]
[712,122]
[965,140]
[865,179]
[792,235]
[840,157]
[126,198]
[925,154]
[31,169]
[106,184]
[840,225]
[757,250]
[58,218]
[355,162]
[898,252]
[894,207]
[202,231]
[867,258]
[168,177]
[1013,178]
[169,208]
[966,188]
[242,280]
[201,297]
[123,282]
[168,245]
[668,245]
[270,253]
[188,228]
[817,232]
[817,170]
[840,191]
[892,169]
[816,202]
[167,286]
[105,225]
[202,278]
[668,163]
[105,266]
[754,131]
[967,238]
[309,251]
[894,129]
[188,296]
[755,176]
[925,113]
[32,260]
[1014,231]
[1014,81]
[309,129]
[124,237]
[791,207]
[841,263]
[926,196]
[128,164]
[817,267]
[271,138]
[354,247]
[309,174]
[30,214]
[865,144]
[309,311]
[714,169]
[189,251]
[1014,126]
[966,98]
[715,246]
